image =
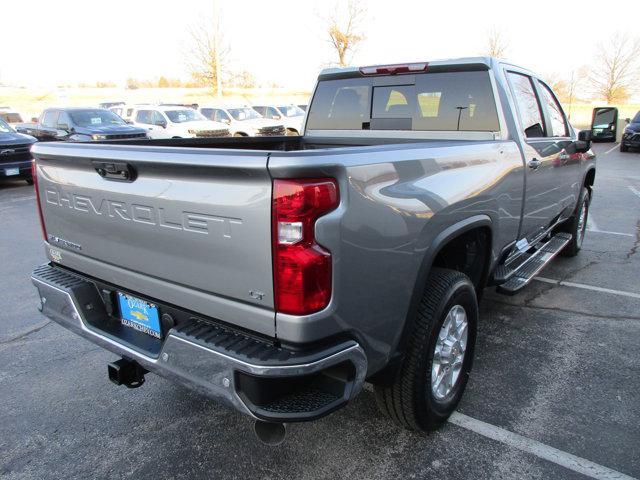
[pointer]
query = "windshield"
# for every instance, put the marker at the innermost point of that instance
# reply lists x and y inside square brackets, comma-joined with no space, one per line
[291,111]
[95,118]
[4,127]
[182,116]
[246,113]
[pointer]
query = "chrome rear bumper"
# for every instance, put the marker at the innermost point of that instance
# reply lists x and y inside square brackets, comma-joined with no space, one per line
[246,383]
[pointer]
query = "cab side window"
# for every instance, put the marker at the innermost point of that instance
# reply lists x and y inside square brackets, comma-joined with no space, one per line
[221,116]
[528,106]
[272,113]
[63,119]
[50,119]
[144,116]
[556,115]
[158,118]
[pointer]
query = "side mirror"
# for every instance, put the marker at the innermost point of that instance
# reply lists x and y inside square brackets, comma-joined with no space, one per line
[130,122]
[161,124]
[583,144]
[226,120]
[627,121]
[277,117]
[63,126]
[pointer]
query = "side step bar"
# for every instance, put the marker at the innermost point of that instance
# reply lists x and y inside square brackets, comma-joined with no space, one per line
[525,272]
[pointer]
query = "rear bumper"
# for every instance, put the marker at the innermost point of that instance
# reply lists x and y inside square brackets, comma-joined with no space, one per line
[253,376]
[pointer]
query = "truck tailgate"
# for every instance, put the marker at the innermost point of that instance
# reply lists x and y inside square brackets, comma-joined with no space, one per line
[196,222]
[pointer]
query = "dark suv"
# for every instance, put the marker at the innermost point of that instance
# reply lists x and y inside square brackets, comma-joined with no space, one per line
[15,153]
[82,125]
[631,135]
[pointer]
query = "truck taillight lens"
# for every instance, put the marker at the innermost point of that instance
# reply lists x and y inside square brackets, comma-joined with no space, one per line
[301,267]
[34,176]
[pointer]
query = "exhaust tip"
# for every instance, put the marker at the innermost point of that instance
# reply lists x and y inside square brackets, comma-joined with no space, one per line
[270,433]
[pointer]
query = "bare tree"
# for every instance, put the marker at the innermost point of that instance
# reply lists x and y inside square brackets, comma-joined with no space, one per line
[345,30]
[567,88]
[497,44]
[616,68]
[208,54]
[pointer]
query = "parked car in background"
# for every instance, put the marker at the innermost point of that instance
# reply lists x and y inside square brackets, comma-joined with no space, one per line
[15,153]
[244,121]
[176,122]
[108,105]
[77,124]
[303,107]
[291,116]
[631,134]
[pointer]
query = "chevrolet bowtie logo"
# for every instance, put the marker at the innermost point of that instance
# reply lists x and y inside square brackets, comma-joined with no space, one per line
[8,151]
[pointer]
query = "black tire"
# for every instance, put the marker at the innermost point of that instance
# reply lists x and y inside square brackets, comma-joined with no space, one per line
[29,180]
[623,147]
[410,400]
[239,134]
[574,227]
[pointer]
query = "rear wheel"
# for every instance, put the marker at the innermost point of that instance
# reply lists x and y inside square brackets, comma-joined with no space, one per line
[29,180]
[439,355]
[577,224]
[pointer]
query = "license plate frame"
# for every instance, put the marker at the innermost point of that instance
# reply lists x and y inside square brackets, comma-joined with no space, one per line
[140,315]
[12,172]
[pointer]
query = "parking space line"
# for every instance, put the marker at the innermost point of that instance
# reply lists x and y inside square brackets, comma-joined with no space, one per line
[634,191]
[610,233]
[611,149]
[540,450]
[587,287]
[593,227]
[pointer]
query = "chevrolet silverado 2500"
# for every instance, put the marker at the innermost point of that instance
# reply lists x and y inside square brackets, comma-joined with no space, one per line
[277,274]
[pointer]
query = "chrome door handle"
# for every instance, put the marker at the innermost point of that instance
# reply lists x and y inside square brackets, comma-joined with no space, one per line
[534,163]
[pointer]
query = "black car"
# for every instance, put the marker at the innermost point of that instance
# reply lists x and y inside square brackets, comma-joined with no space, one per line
[631,135]
[15,153]
[81,125]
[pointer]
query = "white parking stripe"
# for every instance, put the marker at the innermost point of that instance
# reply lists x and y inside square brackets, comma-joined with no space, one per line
[634,191]
[592,226]
[540,450]
[611,149]
[610,233]
[588,287]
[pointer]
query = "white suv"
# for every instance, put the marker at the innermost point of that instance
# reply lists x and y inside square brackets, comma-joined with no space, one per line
[244,121]
[291,116]
[175,122]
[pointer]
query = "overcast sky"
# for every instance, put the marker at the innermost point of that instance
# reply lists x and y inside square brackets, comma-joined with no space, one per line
[69,41]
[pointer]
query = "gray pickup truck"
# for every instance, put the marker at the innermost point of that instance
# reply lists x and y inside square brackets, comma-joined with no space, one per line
[278,274]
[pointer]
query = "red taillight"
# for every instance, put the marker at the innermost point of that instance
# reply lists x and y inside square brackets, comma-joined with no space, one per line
[301,267]
[34,176]
[394,69]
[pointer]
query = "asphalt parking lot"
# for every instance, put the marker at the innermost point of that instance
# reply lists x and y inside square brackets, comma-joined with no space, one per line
[554,392]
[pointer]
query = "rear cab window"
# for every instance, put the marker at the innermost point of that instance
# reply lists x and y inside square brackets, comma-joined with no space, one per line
[438,101]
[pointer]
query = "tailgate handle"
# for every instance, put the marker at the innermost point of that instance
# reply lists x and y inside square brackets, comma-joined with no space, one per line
[118,171]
